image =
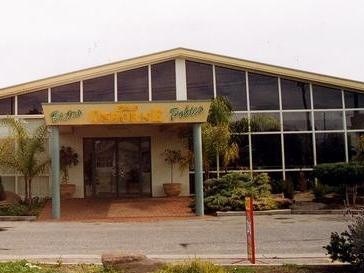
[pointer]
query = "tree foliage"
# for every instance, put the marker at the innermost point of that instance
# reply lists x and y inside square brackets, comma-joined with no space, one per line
[22,152]
[217,141]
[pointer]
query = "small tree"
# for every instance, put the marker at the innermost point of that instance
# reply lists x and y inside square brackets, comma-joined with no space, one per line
[24,156]
[174,157]
[68,158]
[217,138]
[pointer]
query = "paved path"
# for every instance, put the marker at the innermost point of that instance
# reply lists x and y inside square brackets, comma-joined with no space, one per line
[277,236]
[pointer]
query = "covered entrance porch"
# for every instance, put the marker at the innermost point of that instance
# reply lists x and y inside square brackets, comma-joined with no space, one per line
[117,137]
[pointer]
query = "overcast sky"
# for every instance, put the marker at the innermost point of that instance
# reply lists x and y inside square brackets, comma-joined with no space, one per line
[41,38]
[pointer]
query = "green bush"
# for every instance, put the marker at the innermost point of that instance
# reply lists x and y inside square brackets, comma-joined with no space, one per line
[349,245]
[23,209]
[228,192]
[338,174]
[196,266]
[335,174]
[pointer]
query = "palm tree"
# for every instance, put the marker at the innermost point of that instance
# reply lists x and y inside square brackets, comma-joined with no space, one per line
[21,152]
[217,137]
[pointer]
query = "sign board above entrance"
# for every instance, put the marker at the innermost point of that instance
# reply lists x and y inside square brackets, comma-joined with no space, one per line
[125,113]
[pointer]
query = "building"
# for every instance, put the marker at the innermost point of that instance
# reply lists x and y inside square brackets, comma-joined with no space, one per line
[118,116]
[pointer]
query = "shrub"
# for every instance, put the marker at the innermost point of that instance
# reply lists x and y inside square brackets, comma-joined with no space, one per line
[337,174]
[349,245]
[196,266]
[23,209]
[228,192]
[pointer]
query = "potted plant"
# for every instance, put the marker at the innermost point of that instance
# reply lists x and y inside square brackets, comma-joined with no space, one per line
[174,157]
[68,159]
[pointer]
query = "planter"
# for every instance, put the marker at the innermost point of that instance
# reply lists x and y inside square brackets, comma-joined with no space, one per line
[67,190]
[172,189]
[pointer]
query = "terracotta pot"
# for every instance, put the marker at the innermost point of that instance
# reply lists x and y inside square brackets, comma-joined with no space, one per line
[67,190]
[172,189]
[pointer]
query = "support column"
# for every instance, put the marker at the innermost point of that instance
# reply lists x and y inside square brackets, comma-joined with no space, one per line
[54,149]
[197,149]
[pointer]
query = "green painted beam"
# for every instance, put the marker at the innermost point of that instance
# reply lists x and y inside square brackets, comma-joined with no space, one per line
[197,149]
[54,149]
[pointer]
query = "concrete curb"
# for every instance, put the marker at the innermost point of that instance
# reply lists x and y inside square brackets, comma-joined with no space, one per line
[223,259]
[17,218]
[261,212]
[288,211]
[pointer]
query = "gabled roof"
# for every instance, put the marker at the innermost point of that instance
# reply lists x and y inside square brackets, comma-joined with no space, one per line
[173,54]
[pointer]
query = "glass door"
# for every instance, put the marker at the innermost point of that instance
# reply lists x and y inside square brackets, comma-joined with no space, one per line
[117,167]
[105,168]
[133,166]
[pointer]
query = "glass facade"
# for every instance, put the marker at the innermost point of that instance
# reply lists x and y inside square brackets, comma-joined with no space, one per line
[99,89]
[66,93]
[295,124]
[31,104]
[199,81]
[230,83]
[7,106]
[133,85]
[164,81]
[263,92]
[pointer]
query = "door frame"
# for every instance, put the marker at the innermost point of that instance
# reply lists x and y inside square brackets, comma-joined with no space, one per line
[93,164]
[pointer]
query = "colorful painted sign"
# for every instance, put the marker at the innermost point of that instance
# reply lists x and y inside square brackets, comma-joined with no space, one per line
[250,236]
[126,113]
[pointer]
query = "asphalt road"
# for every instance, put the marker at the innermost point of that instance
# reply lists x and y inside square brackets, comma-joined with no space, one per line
[276,235]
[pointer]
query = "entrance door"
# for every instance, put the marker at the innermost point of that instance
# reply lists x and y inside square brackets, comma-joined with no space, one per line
[117,167]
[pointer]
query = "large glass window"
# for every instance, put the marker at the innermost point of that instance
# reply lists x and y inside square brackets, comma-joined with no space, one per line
[99,89]
[328,120]
[7,106]
[66,93]
[301,180]
[353,144]
[199,81]
[242,163]
[230,83]
[354,120]
[266,151]
[265,122]
[31,104]
[133,85]
[354,100]
[164,81]
[326,97]
[263,92]
[298,150]
[295,95]
[297,121]
[330,147]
